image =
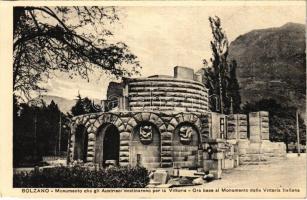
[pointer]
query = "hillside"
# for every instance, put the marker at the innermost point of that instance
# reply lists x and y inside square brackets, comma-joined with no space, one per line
[272,64]
[63,103]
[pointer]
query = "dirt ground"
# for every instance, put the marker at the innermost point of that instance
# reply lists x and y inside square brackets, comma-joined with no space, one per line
[282,176]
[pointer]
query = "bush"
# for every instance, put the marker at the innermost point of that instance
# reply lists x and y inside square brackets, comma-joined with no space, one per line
[81,177]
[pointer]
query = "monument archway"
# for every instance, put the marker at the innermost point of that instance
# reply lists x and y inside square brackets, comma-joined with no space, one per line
[186,143]
[146,145]
[81,143]
[107,145]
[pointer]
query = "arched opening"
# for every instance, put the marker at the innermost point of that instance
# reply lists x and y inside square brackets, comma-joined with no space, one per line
[186,146]
[107,145]
[145,145]
[81,143]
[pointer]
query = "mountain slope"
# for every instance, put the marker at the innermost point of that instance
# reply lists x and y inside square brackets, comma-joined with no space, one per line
[63,103]
[272,64]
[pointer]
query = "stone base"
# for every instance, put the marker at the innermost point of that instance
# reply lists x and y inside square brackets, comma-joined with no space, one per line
[260,152]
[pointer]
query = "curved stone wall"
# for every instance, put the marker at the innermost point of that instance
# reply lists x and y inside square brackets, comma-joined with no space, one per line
[167,94]
[128,122]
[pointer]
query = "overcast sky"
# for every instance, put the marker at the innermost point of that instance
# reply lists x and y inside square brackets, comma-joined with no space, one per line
[164,37]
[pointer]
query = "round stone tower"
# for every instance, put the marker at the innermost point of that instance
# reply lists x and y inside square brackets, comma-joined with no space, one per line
[161,93]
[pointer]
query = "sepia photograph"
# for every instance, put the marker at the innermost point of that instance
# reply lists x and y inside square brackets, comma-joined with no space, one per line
[155,99]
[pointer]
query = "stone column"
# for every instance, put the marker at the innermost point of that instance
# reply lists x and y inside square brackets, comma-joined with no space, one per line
[236,126]
[124,148]
[166,149]
[213,156]
[259,126]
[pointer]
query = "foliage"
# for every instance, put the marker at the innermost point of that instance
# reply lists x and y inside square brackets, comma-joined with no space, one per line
[36,132]
[80,177]
[282,120]
[232,90]
[220,78]
[83,106]
[66,39]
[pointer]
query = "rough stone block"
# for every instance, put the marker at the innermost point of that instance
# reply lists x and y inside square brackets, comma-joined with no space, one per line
[166,164]
[166,159]
[231,135]
[160,176]
[166,136]
[152,159]
[242,135]
[124,143]
[166,148]
[132,122]
[90,159]
[254,119]
[218,155]
[191,157]
[124,148]
[206,156]
[184,164]
[242,128]
[121,128]
[90,153]
[198,77]
[265,135]
[124,154]
[198,181]
[123,159]
[166,153]
[264,113]
[242,151]
[166,142]
[242,123]
[91,143]
[183,73]
[216,173]
[179,158]
[254,148]
[228,164]
[254,157]
[91,136]
[124,136]
[243,143]
[265,125]
[255,135]
[209,165]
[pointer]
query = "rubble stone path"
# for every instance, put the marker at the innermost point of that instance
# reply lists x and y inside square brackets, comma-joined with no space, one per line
[287,173]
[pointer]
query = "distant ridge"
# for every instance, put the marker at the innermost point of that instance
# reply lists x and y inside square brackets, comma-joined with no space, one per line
[272,64]
[64,104]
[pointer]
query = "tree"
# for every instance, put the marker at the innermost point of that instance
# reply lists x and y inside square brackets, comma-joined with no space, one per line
[67,39]
[282,120]
[220,77]
[233,90]
[36,132]
[83,106]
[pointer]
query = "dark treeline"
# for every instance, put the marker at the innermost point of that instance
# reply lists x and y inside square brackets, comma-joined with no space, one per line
[42,130]
[39,130]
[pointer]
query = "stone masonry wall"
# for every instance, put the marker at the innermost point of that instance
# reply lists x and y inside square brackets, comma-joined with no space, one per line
[259,126]
[167,150]
[167,94]
[237,126]
[166,124]
[257,148]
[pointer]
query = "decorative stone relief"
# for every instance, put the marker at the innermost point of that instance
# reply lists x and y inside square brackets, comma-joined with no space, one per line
[185,133]
[146,134]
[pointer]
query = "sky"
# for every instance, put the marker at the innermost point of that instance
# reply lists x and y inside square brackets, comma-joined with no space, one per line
[168,36]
